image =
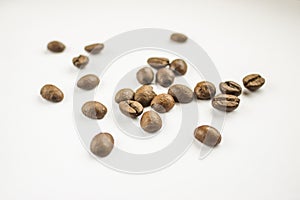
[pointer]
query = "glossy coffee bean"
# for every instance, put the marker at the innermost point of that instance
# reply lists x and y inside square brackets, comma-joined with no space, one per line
[52,93]
[208,135]
[94,110]
[145,76]
[179,67]
[151,122]
[253,82]
[157,62]
[178,37]
[94,48]
[88,82]
[230,87]
[124,94]
[162,103]
[165,77]
[225,102]
[205,90]
[56,46]
[102,144]
[144,95]
[131,108]
[181,93]
[81,61]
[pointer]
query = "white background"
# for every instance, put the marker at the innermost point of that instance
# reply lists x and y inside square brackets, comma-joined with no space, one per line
[41,156]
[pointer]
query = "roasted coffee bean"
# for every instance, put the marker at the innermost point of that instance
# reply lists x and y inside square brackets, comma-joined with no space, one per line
[208,135]
[94,48]
[181,93]
[178,37]
[145,76]
[165,77]
[144,95]
[52,93]
[253,82]
[124,94]
[205,90]
[88,82]
[81,61]
[162,103]
[225,102]
[230,87]
[94,110]
[56,46]
[151,122]
[131,108]
[179,67]
[102,144]
[157,62]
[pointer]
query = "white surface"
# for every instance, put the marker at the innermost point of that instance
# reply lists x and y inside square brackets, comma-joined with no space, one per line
[41,155]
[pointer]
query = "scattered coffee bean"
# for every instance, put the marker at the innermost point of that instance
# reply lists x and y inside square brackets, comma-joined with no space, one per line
[94,48]
[157,62]
[52,93]
[144,95]
[94,110]
[225,102]
[56,46]
[253,82]
[162,103]
[205,90]
[208,135]
[81,61]
[124,94]
[131,108]
[179,37]
[151,122]
[88,82]
[145,76]
[102,144]
[181,93]
[179,67]
[165,77]
[230,87]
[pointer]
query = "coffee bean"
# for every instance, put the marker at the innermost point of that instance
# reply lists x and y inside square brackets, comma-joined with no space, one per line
[253,82]
[88,82]
[81,61]
[205,90]
[94,110]
[162,103]
[208,135]
[179,67]
[94,48]
[144,95]
[181,93]
[165,77]
[52,93]
[102,144]
[131,108]
[124,94]
[151,122]
[230,87]
[56,46]
[145,76]
[178,37]
[225,102]
[157,62]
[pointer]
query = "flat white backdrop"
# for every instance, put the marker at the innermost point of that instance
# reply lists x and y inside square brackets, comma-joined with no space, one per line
[41,155]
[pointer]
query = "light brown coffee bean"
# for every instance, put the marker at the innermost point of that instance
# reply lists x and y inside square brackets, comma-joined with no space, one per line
[181,93]
[131,108]
[151,122]
[144,95]
[225,102]
[102,144]
[253,82]
[145,76]
[165,77]
[157,62]
[230,87]
[162,103]
[179,67]
[208,135]
[81,61]
[205,90]
[94,48]
[94,110]
[56,46]
[52,93]
[124,94]
[178,37]
[88,82]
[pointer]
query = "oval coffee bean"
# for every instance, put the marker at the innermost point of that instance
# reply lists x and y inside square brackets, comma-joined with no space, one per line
[94,110]
[151,122]
[56,46]
[81,61]
[124,94]
[205,90]
[88,82]
[145,76]
[181,93]
[157,62]
[144,95]
[131,108]
[225,102]
[253,82]
[94,48]
[178,37]
[162,103]
[52,93]
[165,77]
[102,144]
[230,87]
[208,135]
[179,67]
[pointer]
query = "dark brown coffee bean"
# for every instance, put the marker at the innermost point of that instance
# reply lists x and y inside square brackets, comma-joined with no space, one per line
[157,62]
[94,110]
[205,90]
[181,93]
[208,135]
[102,144]
[225,102]
[144,95]
[81,61]
[165,77]
[145,76]
[178,37]
[56,46]
[52,93]
[124,94]
[131,108]
[162,103]
[88,82]
[151,122]
[179,67]
[230,87]
[253,82]
[94,48]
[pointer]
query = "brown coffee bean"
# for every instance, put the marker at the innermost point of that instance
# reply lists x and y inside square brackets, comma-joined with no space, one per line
[178,37]
[88,82]
[157,62]
[52,93]
[225,102]
[208,135]
[145,76]
[56,46]
[165,77]
[81,61]
[102,144]
[124,94]
[162,103]
[230,87]
[179,67]
[253,82]
[181,93]
[151,122]
[94,110]
[205,90]
[131,108]
[94,48]
[144,95]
